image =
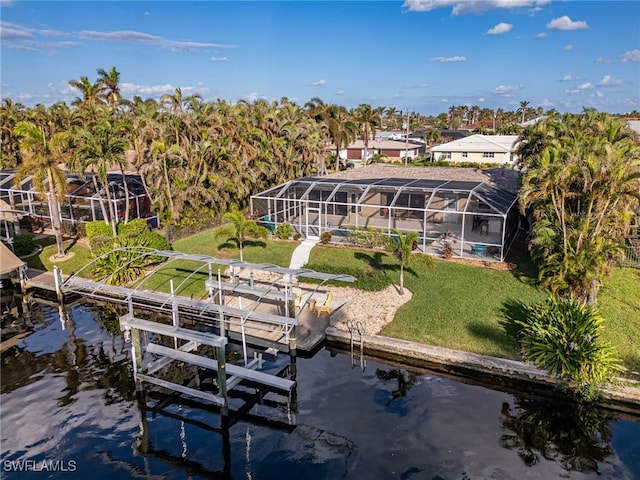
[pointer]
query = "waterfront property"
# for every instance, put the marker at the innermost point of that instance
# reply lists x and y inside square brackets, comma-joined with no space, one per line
[461,218]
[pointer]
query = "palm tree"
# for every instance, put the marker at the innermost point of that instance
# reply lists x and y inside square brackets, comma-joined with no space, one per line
[92,93]
[41,157]
[368,119]
[523,110]
[342,129]
[110,80]
[581,189]
[101,147]
[403,248]
[240,229]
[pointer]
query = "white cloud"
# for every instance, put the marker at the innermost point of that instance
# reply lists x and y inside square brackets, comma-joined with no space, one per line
[506,90]
[457,58]
[630,56]
[599,94]
[319,83]
[465,6]
[608,81]
[547,103]
[500,28]
[253,96]
[482,99]
[131,36]
[565,23]
[600,60]
[219,59]
[585,86]
[6,3]
[541,35]
[568,47]
[340,92]
[147,13]
[567,78]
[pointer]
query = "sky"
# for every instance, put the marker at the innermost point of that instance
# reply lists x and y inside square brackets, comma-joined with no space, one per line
[414,55]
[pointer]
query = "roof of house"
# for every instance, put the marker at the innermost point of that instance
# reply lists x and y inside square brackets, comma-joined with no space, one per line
[480,143]
[384,145]
[9,262]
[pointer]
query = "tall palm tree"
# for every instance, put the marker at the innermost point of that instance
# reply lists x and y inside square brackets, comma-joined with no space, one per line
[10,114]
[342,129]
[523,110]
[110,81]
[92,93]
[101,147]
[41,157]
[368,119]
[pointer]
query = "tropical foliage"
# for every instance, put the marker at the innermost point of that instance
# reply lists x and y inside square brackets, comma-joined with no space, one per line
[581,189]
[240,229]
[564,336]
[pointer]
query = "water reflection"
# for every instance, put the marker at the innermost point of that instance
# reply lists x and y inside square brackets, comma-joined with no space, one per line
[67,393]
[575,435]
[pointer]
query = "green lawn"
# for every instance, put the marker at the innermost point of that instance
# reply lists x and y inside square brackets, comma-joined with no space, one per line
[454,305]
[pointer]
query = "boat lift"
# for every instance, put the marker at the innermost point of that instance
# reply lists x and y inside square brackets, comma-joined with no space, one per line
[200,328]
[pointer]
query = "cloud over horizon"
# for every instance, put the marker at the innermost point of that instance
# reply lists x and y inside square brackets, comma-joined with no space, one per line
[565,23]
[500,28]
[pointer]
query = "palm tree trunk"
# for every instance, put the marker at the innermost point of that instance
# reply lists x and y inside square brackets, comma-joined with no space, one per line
[54,209]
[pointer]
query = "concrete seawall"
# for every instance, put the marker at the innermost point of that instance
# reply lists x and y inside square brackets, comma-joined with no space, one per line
[625,398]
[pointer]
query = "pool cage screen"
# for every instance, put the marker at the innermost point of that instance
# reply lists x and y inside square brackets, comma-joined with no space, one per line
[464,218]
[86,200]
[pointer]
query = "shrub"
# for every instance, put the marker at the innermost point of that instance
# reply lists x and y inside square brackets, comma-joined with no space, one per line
[98,228]
[283,231]
[23,245]
[325,237]
[136,226]
[369,237]
[563,336]
[370,279]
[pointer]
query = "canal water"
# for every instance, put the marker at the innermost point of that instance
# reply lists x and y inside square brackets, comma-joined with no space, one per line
[69,409]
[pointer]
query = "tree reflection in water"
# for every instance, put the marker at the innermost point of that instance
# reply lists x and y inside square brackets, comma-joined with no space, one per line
[404,383]
[576,435]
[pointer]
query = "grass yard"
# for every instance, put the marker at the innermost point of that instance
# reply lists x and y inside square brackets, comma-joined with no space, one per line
[276,252]
[619,303]
[454,305]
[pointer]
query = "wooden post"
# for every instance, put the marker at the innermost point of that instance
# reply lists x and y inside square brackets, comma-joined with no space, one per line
[222,379]
[136,350]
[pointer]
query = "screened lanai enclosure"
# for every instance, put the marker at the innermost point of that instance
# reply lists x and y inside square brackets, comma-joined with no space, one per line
[85,201]
[464,219]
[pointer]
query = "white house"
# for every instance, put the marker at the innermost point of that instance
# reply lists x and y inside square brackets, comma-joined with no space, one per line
[398,151]
[498,149]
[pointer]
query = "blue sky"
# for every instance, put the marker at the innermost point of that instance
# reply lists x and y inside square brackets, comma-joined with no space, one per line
[419,55]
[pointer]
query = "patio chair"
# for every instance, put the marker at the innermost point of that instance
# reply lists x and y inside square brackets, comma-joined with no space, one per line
[297,300]
[326,306]
[478,249]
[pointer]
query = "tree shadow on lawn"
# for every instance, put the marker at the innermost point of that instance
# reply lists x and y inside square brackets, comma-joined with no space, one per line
[376,261]
[232,244]
[494,334]
[519,255]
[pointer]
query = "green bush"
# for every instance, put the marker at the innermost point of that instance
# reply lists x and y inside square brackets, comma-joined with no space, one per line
[283,231]
[136,226]
[98,228]
[564,336]
[369,237]
[372,280]
[325,237]
[23,245]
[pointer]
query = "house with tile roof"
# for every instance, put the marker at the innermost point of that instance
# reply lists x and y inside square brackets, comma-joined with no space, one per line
[498,149]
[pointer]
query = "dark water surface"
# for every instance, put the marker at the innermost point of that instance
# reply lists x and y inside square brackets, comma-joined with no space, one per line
[69,409]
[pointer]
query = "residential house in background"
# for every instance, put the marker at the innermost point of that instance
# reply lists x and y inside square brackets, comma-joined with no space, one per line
[498,149]
[397,151]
